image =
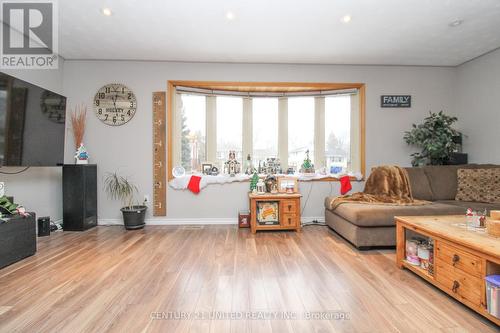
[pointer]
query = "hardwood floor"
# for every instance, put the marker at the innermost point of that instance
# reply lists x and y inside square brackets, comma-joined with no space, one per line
[107,279]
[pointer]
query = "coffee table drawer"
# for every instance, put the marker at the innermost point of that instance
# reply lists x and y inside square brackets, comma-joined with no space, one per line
[458,283]
[459,259]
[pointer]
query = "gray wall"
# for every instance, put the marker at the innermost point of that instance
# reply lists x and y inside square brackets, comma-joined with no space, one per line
[39,189]
[128,148]
[477,92]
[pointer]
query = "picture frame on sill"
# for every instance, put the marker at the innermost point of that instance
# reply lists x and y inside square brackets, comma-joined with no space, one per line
[268,212]
[288,185]
[206,168]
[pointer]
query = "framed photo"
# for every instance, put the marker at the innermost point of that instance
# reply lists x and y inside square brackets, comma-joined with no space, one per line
[206,168]
[268,212]
[288,185]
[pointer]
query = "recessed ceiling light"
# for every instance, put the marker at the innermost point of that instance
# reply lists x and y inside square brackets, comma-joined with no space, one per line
[346,18]
[230,15]
[106,12]
[456,23]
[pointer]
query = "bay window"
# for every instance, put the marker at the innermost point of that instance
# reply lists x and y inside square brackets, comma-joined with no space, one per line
[207,124]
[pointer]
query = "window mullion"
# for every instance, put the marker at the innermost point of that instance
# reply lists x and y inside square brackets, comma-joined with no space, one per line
[211,128]
[319,132]
[283,132]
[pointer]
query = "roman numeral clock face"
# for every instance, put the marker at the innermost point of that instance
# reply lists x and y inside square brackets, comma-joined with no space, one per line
[115,104]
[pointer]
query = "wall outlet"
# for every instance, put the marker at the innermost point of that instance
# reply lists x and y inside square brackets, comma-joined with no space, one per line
[146,198]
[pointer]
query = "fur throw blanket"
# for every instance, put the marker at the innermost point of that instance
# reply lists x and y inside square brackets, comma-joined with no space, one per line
[387,185]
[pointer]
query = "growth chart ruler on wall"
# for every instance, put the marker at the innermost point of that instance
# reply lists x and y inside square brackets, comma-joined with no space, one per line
[159,154]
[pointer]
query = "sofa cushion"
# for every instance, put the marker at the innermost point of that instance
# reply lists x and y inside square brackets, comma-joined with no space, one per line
[443,178]
[419,183]
[371,215]
[443,181]
[479,185]
[477,206]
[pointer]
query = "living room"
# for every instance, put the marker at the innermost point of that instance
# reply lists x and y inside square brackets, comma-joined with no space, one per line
[189,256]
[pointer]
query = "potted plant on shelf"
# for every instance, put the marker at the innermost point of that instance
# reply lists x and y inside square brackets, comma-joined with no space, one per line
[435,136]
[120,188]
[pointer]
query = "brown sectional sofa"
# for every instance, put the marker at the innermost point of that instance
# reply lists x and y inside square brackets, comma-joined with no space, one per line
[372,225]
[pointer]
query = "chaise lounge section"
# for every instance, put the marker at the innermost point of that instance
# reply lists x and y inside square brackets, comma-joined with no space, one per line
[372,225]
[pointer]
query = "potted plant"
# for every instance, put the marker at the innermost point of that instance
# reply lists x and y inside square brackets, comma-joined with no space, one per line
[436,137]
[120,188]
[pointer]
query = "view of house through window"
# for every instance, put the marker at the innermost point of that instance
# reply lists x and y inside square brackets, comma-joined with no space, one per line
[265,129]
[193,144]
[300,130]
[337,131]
[212,126]
[229,127]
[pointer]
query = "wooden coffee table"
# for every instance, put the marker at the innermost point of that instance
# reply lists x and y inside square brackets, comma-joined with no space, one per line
[462,257]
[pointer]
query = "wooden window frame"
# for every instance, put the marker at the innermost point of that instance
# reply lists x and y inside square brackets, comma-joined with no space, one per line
[273,87]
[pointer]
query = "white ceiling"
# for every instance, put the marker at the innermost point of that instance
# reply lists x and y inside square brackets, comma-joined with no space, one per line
[392,32]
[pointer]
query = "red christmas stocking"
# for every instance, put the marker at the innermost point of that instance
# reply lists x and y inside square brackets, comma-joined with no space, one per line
[345,184]
[194,184]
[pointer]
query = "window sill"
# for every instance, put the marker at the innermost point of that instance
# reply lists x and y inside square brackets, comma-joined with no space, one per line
[336,179]
[222,178]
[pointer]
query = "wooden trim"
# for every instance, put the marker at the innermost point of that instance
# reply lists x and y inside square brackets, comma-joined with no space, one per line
[170,105]
[272,87]
[362,127]
[266,86]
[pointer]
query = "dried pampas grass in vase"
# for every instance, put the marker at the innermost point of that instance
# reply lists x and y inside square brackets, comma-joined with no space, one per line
[78,118]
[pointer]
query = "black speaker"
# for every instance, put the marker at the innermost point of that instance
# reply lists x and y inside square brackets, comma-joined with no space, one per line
[79,196]
[44,226]
[458,159]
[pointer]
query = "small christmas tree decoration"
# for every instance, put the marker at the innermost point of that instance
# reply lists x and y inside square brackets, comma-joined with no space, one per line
[81,155]
[307,166]
[253,182]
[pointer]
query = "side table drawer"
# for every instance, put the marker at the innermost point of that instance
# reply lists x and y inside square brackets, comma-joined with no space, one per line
[458,282]
[289,220]
[459,259]
[289,206]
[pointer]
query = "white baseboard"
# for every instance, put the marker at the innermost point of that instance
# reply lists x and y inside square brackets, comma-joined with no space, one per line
[195,221]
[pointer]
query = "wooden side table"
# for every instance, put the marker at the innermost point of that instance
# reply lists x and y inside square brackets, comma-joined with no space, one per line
[288,215]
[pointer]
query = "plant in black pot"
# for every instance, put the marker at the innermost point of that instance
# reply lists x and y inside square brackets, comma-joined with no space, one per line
[120,188]
[436,137]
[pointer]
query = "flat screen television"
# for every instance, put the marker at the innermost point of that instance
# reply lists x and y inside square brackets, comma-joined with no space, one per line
[32,124]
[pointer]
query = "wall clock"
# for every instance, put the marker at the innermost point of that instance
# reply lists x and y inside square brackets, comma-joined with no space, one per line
[115,104]
[53,106]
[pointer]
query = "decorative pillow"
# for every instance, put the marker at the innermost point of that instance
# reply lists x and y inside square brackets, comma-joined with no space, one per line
[479,185]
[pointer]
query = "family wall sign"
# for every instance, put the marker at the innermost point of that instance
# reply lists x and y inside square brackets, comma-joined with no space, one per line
[395,101]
